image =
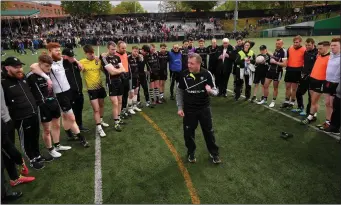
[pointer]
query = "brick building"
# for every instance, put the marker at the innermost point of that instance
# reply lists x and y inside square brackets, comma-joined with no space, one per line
[46,9]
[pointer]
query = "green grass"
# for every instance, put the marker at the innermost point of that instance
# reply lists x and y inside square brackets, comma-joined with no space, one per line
[137,166]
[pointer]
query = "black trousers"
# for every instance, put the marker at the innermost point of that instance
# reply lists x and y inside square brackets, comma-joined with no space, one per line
[190,123]
[3,180]
[77,107]
[11,156]
[239,86]
[174,78]
[29,131]
[125,84]
[144,85]
[222,78]
[303,87]
[335,119]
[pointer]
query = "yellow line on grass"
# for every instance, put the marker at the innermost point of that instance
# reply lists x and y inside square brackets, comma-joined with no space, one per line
[184,171]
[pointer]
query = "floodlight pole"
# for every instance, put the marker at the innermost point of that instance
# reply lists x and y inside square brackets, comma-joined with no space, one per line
[235,16]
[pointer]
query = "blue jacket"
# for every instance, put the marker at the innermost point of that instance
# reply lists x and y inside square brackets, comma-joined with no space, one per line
[175,61]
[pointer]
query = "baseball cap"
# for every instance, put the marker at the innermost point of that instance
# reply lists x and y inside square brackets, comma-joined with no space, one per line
[68,52]
[12,61]
[262,47]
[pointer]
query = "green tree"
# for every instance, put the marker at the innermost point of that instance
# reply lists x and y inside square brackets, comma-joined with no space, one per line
[4,5]
[86,8]
[200,5]
[126,7]
[173,6]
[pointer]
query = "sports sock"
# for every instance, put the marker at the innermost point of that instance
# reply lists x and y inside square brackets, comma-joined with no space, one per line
[135,100]
[151,94]
[274,99]
[99,126]
[161,95]
[310,116]
[80,136]
[328,122]
[156,93]
[130,102]
[265,98]
[57,144]
[292,101]
[69,133]
[50,149]
[116,121]
[119,117]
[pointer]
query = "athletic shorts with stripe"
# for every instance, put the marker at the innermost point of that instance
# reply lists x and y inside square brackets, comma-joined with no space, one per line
[64,99]
[316,85]
[97,94]
[273,75]
[49,110]
[330,88]
[115,87]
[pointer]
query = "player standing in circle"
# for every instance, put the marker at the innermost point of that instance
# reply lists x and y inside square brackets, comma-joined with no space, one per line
[113,69]
[203,52]
[261,69]
[92,76]
[48,107]
[61,88]
[194,88]
[153,70]
[134,61]
[163,55]
[294,65]
[274,74]
[175,67]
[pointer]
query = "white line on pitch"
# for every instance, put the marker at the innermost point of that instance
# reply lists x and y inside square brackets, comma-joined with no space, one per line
[98,172]
[293,118]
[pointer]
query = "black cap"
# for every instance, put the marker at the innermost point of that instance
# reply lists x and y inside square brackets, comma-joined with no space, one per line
[262,47]
[12,61]
[68,52]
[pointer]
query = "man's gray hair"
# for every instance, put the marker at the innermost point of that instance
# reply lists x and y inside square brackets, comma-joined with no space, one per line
[196,56]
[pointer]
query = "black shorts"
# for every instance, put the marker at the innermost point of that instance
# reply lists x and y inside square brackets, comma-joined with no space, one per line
[49,110]
[134,83]
[259,78]
[316,85]
[115,88]
[163,75]
[292,76]
[64,100]
[97,94]
[330,88]
[154,77]
[273,75]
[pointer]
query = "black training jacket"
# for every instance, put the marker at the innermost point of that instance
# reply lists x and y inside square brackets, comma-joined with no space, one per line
[18,97]
[39,88]
[309,61]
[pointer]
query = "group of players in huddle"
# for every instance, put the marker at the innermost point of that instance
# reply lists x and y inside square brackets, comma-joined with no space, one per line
[53,88]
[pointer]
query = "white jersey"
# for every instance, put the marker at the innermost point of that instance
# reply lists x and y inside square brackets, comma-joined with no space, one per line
[59,81]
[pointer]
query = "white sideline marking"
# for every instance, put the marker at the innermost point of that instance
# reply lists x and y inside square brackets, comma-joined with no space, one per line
[98,171]
[293,118]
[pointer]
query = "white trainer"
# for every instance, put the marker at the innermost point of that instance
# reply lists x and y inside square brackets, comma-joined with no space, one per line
[272,104]
[131,111]
[62,148]
[104,124]
[55,154]
[101,132]
[135,108]
[262,102]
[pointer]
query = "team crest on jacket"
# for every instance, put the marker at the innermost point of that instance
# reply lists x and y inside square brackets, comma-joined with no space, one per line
[201,78]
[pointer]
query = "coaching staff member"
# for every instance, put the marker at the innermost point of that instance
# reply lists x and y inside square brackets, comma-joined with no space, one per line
[194,88]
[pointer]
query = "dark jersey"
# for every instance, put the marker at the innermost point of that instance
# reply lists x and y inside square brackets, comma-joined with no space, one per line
[39,88]
[195,94]
[163,60]
[152,62]
[309,61]
[134,63]
[278,56]
[263,67]
[184,57]
[113,60]
[212,52]
[203,54]
[73,75]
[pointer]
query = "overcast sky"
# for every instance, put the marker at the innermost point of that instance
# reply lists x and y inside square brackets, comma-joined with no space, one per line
[150,6]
